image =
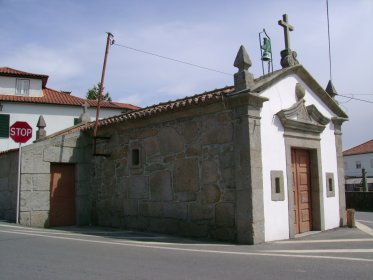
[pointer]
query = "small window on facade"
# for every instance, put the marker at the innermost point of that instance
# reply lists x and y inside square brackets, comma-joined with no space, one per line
[371,163]
[76,121]
[358,165]
[277,185]
[135,157]
[330,183]
[4,125]
[23,87]
[330,188]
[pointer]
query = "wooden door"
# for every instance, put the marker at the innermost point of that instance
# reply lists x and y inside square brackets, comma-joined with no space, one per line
[301,190]
[62,195]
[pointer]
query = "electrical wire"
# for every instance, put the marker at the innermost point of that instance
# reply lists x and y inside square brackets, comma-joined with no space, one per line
[352,94]
[330,54]
[221,72]
[354,98]
[172,59]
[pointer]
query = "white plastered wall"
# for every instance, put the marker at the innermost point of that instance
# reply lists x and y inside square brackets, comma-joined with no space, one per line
[8,86]
[57,117]
[282,96]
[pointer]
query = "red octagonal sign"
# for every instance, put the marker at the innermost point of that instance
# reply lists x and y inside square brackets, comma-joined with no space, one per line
[20,132]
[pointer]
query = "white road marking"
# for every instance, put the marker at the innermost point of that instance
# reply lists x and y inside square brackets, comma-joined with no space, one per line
[259,253]
[106,234]
[322,251]
[324,241]
[364,221]
[364,228]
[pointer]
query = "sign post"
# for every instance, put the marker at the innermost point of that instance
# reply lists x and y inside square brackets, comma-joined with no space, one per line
[20,132]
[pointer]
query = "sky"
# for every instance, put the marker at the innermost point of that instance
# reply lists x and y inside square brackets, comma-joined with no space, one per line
[66,40]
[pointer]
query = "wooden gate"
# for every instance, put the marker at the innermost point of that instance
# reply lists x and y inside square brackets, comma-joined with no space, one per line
[62,195]
[302,190]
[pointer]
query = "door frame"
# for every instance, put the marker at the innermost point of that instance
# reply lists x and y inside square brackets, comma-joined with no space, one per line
[317,198]
[298,228]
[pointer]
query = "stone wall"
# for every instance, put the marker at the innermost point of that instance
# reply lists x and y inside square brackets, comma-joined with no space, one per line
[180,182]
[8,185]
[35,177]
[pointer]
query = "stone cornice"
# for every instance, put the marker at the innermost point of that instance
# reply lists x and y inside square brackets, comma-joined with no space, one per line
[269,80]
[244,97]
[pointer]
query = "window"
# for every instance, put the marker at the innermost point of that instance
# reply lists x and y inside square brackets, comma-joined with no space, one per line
[371,163]
[330,188]
[23,87]
[358,165]
[135,157]
[4,125]
[277,185]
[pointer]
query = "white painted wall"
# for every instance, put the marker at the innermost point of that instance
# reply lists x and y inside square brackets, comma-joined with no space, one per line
[57,117]
[8,86]
[282,96]
[366,161]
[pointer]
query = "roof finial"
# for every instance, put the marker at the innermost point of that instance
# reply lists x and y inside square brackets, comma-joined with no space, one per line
[330,89]
[41,133]
[243,79]
[288,57]
[84,117]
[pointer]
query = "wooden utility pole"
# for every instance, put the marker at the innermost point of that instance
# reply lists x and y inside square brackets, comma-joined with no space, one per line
[108,40]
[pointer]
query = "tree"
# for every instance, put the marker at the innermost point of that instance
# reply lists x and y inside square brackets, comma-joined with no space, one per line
[94,92]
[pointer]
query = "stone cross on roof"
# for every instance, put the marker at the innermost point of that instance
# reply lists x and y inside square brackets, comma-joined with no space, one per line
[287,28]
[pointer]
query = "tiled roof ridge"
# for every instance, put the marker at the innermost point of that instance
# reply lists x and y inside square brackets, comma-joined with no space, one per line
[12,71]
[52,96]
[178,104]
[7,71]
[364,148]
[9,151]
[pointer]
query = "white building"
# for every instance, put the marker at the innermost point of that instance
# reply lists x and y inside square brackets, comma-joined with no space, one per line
[25,96]
[355,160]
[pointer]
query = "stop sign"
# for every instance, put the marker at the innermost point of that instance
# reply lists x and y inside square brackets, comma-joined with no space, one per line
[20,132]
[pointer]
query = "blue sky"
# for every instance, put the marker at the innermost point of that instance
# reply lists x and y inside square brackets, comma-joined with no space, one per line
[66,40]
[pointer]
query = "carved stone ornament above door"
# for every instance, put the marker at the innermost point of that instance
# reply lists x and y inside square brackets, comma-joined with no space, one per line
[302,119]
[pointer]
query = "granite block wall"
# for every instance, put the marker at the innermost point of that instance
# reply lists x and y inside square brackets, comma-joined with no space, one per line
[36,177]
[172,176]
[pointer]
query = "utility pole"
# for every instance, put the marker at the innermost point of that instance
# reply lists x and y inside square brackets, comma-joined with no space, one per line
[108,41]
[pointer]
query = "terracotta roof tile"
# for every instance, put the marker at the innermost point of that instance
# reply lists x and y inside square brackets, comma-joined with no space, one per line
[10,72]
[8,151]
[51,96]
[364,148]
[177,105]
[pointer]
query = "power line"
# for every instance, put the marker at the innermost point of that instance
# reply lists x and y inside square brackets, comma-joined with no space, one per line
[221,72]
[352,94]
[330,54]
[172,59]
[354,98]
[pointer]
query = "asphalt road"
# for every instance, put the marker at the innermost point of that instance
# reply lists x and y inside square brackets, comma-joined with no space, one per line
[96,253]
